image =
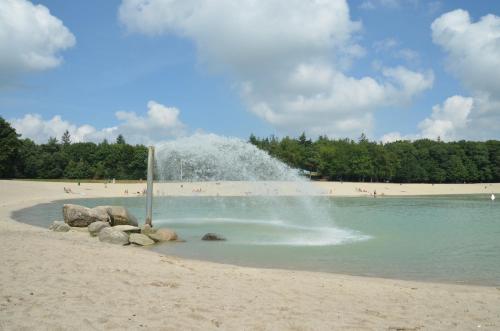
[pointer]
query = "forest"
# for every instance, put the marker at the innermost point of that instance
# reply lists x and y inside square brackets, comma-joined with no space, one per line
[22,158]
[419,161]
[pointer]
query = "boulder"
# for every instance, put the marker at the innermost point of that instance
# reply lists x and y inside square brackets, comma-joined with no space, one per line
[79,229]
[127,228]
[163,235]
[96,227]
[213,237]
[59,226]
[147,229]
[119,215]
[113,236]
[80,216]
[140,239]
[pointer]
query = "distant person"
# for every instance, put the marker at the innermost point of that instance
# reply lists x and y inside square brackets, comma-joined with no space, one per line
[492,197]
[374,193]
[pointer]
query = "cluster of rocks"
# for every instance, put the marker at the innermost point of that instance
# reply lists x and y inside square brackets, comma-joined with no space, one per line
[111,224]
[115,225]
[80,216]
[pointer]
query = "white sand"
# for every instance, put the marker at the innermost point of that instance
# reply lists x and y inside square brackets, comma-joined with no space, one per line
[60,281]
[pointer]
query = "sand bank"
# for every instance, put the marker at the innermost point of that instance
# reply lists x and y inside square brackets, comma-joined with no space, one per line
[60,281]
[55,190]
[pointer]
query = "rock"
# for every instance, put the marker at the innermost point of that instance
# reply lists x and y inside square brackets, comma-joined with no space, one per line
[59,226]
[127,228]
[80,229]
[163,235]
[119,215]
[96,227]
[140,239]
[113,236]
[80,216]
[213,237]
[147,229]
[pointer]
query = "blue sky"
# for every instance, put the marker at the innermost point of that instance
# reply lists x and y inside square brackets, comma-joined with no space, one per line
[373,66]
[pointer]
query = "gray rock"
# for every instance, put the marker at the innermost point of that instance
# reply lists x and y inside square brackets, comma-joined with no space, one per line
[140,239]
[113,236]
[147,229]
[59,226]
[163,235]
[127,228]
[80,229]
[119,215]
[80,216]
[213,237]
[96,227]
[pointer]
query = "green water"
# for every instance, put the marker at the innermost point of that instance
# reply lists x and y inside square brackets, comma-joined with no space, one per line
[447,238]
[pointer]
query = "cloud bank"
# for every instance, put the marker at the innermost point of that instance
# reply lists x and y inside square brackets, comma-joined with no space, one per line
[30,39]
[473,56]
[446,121]
[160,123]
[289,58]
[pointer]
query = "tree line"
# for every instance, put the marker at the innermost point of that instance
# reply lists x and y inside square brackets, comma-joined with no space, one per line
[23,158]
[419,161]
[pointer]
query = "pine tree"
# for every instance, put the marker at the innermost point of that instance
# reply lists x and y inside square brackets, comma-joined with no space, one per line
[66,138]
[120,140]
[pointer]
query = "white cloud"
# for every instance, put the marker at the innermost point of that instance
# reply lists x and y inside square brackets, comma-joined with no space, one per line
[396,136]
[446,121]
[159,124]
[393,48]
[391,137]
[30,38]
[473,49]
[473,56]
[385,44]
[289,58]
[409,55]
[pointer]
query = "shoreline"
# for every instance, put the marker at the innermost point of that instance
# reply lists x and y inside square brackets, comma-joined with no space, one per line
[281,267]
[108,287]
[248,188]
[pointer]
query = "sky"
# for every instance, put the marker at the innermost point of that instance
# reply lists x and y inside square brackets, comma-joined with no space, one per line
[155,70]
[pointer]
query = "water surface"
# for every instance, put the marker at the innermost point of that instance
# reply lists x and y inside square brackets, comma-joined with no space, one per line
[446,238]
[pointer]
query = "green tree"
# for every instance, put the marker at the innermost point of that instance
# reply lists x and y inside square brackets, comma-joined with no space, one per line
[9,149]
[66,138]
[120,140]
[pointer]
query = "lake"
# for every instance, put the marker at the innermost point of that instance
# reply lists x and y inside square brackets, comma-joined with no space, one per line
[453,239]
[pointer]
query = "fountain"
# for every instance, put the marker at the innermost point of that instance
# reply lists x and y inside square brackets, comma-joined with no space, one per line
[296,219]
[209,157]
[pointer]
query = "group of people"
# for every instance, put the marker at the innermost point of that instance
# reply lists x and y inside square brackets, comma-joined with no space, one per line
[374,194]
[143,192]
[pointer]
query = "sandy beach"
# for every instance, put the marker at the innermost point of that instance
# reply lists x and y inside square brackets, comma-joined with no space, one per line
[60,281]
